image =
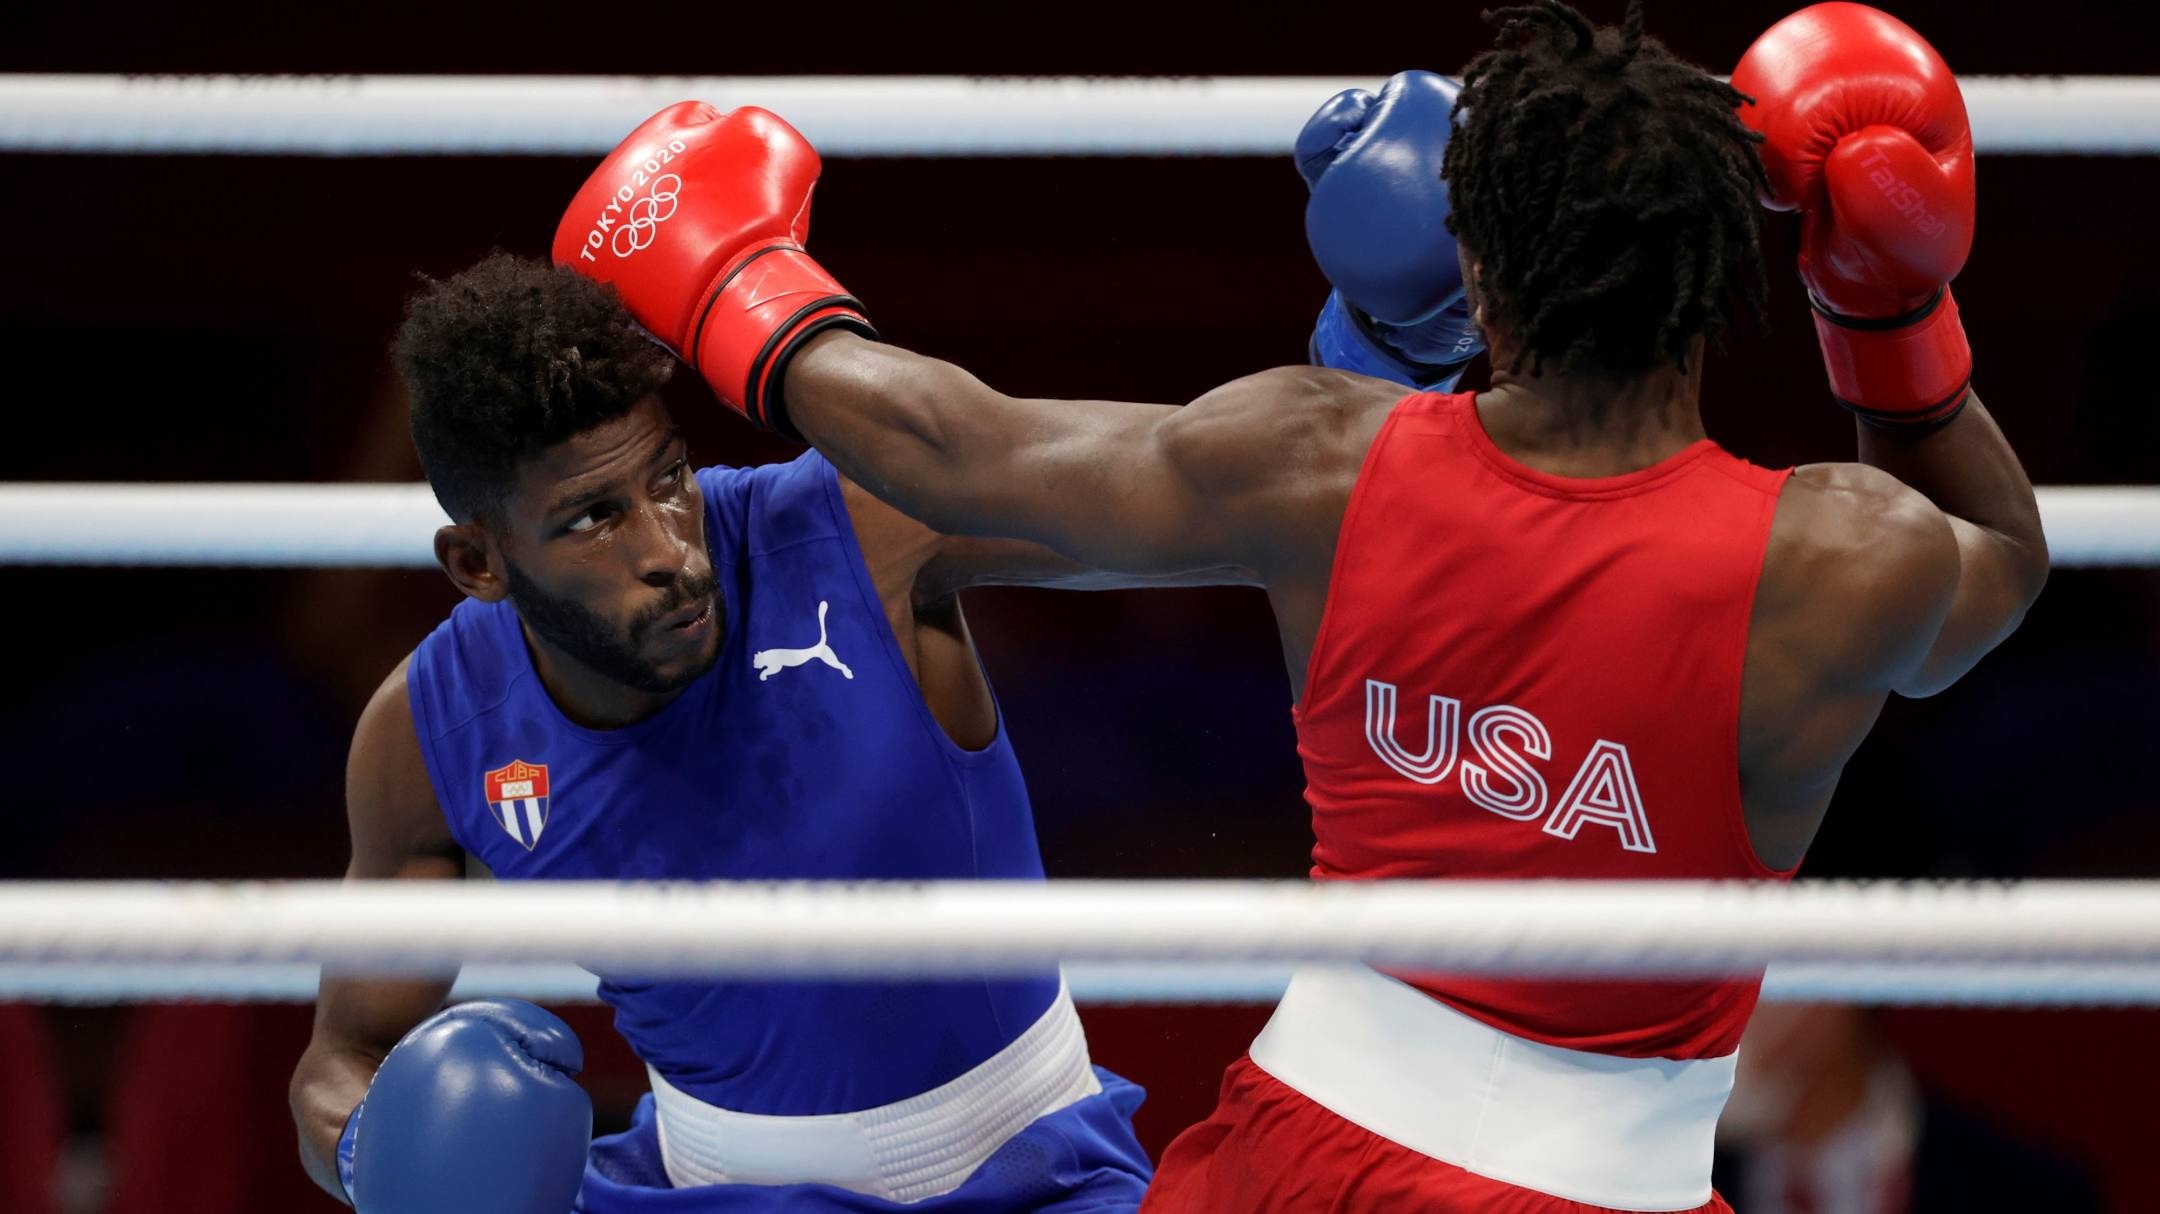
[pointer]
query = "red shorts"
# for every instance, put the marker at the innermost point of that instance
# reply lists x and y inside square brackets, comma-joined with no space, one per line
[1268,1150]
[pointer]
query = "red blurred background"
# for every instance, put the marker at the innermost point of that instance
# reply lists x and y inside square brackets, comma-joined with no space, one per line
[225,318]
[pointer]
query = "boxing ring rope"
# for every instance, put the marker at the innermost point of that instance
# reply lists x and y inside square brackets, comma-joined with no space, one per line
[2057,984]
[390,526]
[847,115]
[1149,941]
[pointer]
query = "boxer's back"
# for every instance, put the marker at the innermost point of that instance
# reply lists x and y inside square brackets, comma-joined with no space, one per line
[1522,675]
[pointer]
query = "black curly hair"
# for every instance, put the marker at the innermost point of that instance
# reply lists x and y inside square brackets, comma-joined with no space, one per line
[1608,190]
[507,359]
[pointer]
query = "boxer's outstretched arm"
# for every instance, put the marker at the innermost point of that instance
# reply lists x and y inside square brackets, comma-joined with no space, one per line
[965,562]
[397,832]
[1230,480]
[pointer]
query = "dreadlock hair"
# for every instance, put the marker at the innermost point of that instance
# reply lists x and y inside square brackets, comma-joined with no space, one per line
[507,359]
[1608,190]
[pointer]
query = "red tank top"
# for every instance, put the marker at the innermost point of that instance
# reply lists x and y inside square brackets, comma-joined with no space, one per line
[1521,675]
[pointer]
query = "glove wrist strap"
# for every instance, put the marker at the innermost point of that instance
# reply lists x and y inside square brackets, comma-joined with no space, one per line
[1348,340]
[1904,371]
[761,309]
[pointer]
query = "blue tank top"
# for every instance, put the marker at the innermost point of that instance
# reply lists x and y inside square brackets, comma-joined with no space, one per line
[806,752]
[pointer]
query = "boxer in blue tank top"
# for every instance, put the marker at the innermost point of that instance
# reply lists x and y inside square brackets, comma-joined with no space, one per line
[661,674]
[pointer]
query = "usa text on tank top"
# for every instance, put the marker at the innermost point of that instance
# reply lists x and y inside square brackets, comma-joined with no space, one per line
[807,752]
[1521,675]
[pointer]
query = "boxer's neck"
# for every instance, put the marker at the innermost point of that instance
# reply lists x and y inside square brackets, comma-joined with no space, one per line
[1592,426]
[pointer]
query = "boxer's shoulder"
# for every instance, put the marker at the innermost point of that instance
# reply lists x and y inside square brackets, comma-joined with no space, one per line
[1280,424]
[390,800]
[1853,543]
[1275,456]
[1858,514]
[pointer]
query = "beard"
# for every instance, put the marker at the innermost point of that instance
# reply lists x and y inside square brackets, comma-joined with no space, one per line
[616,652]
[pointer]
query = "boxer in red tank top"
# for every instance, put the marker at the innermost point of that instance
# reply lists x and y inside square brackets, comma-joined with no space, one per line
[1546,630]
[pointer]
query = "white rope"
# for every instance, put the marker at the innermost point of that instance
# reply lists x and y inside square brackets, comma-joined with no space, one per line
[392,525]
[846,115]
[969,927]
[2050,984]
[2089,525]
[280,525]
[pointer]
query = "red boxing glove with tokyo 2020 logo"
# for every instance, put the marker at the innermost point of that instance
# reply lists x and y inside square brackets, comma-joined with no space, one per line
[698,219]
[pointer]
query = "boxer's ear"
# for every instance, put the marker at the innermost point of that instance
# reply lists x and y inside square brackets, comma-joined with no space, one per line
[472,560]
[1474,292]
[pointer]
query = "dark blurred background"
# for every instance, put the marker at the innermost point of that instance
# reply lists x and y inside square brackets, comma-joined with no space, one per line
[225,318]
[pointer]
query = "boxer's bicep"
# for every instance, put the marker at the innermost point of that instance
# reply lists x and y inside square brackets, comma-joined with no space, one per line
[1114,486]
[1224,483]
[1980,553]
[935,567]
[965,561]
[1989,596]
[397,828]
[1888,587]
[1110,486]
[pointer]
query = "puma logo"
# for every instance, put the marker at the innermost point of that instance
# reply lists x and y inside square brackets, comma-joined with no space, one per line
[770,662]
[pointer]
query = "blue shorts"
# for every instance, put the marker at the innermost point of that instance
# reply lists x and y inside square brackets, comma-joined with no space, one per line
[1082,1159]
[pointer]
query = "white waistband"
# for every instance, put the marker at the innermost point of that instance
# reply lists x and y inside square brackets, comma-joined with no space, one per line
[1626,1133]
[905,1151]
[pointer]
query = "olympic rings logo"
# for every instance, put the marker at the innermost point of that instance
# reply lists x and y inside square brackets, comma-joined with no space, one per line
[642,219]
[630,222]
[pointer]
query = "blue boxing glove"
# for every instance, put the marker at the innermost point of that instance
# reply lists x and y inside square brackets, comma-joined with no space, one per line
[474,1110]
[1377,224]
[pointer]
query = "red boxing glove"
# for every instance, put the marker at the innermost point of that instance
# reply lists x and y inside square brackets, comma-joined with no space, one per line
[698,218]
[1864,133]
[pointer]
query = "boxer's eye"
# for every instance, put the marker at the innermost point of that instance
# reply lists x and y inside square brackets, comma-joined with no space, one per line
[588,520]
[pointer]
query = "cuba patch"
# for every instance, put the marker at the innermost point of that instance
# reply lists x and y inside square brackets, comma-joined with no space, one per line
[518,796]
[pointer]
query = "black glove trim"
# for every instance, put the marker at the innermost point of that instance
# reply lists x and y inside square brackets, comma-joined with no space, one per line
[771,410]
[1866,324]
[1941,414]
[697,331]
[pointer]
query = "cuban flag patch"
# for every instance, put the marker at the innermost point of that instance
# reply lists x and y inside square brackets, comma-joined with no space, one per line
[518,795]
